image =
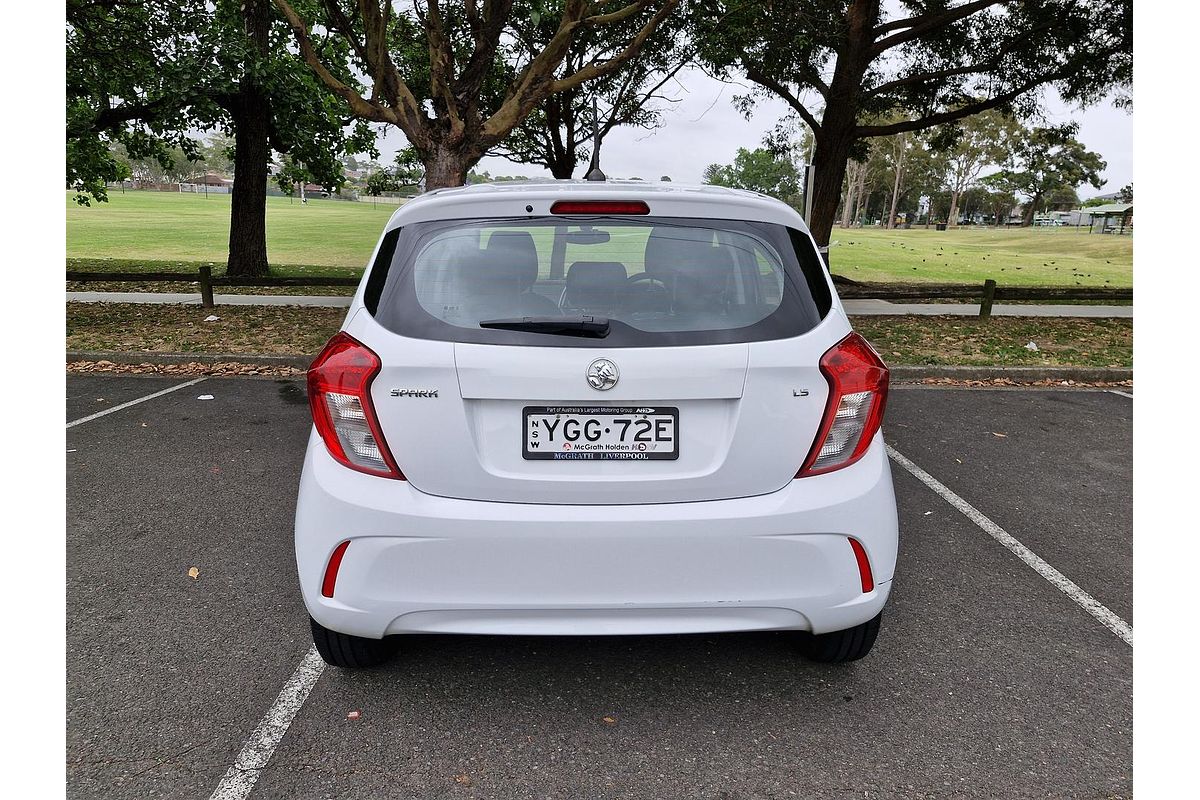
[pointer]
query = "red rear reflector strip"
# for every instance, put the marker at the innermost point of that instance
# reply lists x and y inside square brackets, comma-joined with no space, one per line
[331,571]
[599,207]
[864,566]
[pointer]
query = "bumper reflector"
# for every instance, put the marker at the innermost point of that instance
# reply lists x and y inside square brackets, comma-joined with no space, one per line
[864,566]
[335,562]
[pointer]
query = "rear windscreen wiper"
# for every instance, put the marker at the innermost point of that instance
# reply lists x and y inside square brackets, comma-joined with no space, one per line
[571,325]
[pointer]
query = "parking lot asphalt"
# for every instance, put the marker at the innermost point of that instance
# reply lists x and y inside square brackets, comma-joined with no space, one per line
[987,681]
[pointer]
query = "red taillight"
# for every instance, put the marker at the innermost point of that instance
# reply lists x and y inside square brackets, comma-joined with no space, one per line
[339,394]
[864,566]
[331,571]
[599,207]
[858,387]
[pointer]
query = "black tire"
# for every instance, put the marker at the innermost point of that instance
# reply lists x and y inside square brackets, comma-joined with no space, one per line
[350,652]
[838,647]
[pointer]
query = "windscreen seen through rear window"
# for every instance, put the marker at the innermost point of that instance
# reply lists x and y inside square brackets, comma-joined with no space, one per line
[657,281]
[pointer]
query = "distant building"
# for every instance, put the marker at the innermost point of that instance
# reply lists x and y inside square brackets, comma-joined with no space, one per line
[212,179]
[1111,218]
[208,183]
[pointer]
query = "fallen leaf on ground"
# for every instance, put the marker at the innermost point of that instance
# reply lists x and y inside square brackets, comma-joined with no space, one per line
[194,573]
[353,715]
[610,721]
[205,397]
[212,318]
[1000,435]
[463,780]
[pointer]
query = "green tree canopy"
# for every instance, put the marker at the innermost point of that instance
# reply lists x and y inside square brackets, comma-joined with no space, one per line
[147,74]
[759,170]
[1047,160]
[841,64]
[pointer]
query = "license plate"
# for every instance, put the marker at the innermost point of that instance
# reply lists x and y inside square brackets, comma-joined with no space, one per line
[601,433]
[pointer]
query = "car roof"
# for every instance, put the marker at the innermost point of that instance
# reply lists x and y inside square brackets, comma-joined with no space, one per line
[533,198]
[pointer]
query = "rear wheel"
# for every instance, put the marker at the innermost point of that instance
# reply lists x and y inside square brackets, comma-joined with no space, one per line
[837,647]
[351,652]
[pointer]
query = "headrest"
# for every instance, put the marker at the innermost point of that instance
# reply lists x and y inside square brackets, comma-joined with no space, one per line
[583,274]
[672,248]
[513,258]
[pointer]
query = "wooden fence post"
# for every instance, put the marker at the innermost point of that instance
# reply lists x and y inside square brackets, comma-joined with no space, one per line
[989,295]
[206,293]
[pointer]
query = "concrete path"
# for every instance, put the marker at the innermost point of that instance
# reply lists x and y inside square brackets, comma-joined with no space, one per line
[323,301]
[853,307]
[884,308]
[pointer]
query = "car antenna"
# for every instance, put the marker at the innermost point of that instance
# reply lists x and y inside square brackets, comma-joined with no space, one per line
[594,171]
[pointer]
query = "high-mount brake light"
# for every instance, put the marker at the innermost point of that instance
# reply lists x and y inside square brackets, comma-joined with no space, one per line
[858,388]
[339,394]
[599,207]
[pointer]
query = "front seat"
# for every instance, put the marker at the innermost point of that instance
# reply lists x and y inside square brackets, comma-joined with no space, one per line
[679,258]
[500,280]
[594,285]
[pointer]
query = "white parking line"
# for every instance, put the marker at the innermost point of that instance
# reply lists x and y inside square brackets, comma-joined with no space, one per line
[99,414]
[1068,587]
[1123,394]
[257,751]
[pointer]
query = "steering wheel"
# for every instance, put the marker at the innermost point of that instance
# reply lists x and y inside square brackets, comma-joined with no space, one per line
[655,283]
[645,294]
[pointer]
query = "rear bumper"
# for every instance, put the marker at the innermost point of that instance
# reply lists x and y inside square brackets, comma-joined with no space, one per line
[417,563]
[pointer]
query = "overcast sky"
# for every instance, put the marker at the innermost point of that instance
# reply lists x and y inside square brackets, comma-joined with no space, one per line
[703,128]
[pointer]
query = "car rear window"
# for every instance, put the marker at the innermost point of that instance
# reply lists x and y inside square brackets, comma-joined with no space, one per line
[659,281]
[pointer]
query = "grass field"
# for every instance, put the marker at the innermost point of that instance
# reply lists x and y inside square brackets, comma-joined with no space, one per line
[165,231]
[1013,257]
[189,228]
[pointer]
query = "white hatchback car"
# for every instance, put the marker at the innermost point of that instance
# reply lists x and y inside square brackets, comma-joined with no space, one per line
[581,407]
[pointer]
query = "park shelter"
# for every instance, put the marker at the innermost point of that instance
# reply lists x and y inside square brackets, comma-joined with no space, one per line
[1112,218]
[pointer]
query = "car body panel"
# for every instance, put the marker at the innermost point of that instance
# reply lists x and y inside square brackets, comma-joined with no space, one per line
[478,539]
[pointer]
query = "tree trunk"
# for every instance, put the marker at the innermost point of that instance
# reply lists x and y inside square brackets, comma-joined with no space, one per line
[891,223]
[1030,210]
[447,168]
[859,194]
[952,219]
[837,131]
[563,167]
[829,170]
[252,153]
[848,197]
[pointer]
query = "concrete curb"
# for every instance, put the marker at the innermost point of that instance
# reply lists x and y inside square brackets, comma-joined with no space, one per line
[916,372]
[900,372]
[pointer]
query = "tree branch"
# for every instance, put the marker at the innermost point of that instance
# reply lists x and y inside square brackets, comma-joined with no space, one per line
[922,77]
[596,70]
[867,131]
[487,39]
[762,79]
[536,81]
[918,26]
[618,15]
[441,67]
[357,102]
